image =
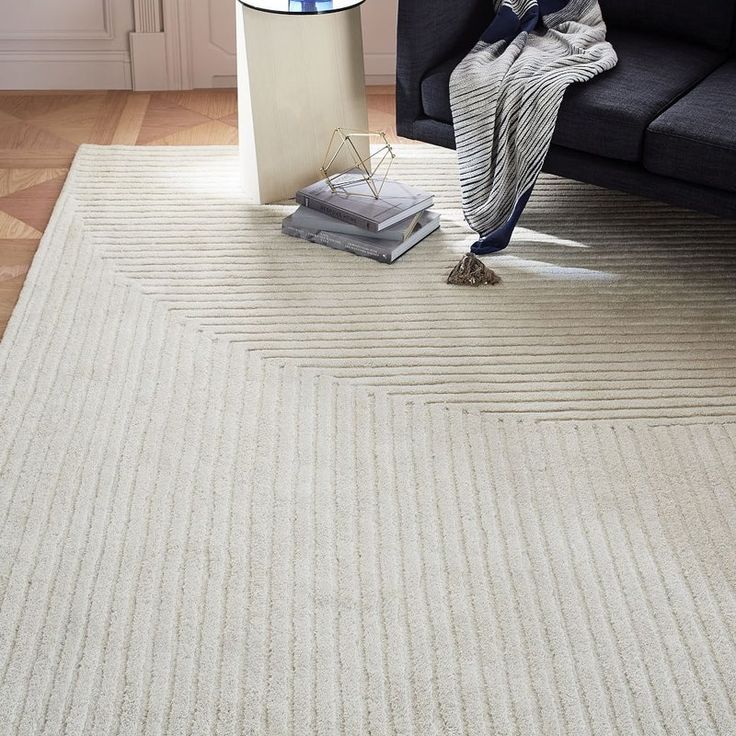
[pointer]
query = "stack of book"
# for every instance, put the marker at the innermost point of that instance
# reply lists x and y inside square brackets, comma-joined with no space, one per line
[353,220]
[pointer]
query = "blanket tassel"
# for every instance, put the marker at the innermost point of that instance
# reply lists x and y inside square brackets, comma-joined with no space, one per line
[471,271]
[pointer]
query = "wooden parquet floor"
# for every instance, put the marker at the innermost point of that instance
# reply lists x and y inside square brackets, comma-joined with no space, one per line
[40,133]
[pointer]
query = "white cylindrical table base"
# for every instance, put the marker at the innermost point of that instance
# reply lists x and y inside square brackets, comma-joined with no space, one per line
[299,78]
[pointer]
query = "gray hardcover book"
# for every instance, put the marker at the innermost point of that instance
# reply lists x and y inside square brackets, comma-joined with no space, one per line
[313,220]
[356,205]
[386,251]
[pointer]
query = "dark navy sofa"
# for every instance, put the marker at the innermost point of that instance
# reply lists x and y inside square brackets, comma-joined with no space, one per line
[662,124]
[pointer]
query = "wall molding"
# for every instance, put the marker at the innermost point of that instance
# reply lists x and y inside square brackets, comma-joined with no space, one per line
[148,16]
[103,55]
[176,25]
[106,33]
[148,46]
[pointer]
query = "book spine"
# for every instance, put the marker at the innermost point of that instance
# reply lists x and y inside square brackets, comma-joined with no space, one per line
[339,214]
[325,238]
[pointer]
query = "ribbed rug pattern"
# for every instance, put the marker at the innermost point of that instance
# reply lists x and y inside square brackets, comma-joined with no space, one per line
[250,485]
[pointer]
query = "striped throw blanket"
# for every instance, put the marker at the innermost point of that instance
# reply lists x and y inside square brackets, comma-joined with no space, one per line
[505,96]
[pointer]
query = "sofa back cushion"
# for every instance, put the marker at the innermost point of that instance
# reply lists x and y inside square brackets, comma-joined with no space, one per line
[708,22]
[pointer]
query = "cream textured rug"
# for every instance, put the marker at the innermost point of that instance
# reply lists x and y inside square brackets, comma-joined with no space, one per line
[249,485]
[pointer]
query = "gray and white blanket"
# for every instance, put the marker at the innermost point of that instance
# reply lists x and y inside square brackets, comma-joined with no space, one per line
[505,96]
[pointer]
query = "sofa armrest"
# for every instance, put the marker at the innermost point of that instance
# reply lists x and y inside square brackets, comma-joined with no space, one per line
[430,32]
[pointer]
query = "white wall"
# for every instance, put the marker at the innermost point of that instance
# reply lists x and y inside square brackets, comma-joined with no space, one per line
[83,44]
[379,40]
[212,46]
[65,44]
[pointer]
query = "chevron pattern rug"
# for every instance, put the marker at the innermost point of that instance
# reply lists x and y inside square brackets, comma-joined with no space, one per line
[249,485]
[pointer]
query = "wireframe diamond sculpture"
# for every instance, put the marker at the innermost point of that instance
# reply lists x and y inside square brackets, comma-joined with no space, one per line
[371,170]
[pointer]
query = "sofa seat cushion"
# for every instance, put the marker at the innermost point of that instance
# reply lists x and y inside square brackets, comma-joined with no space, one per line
[695,139]
[609,115]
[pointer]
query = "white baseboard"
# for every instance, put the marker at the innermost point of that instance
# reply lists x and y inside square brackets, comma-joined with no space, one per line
[380,80]
[380,68]
[65,70]
[224,80]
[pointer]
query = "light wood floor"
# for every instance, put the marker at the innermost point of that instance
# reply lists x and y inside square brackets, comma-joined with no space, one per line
[40,132]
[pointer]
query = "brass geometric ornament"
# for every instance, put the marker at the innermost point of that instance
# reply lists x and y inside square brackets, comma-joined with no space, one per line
[371,170]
